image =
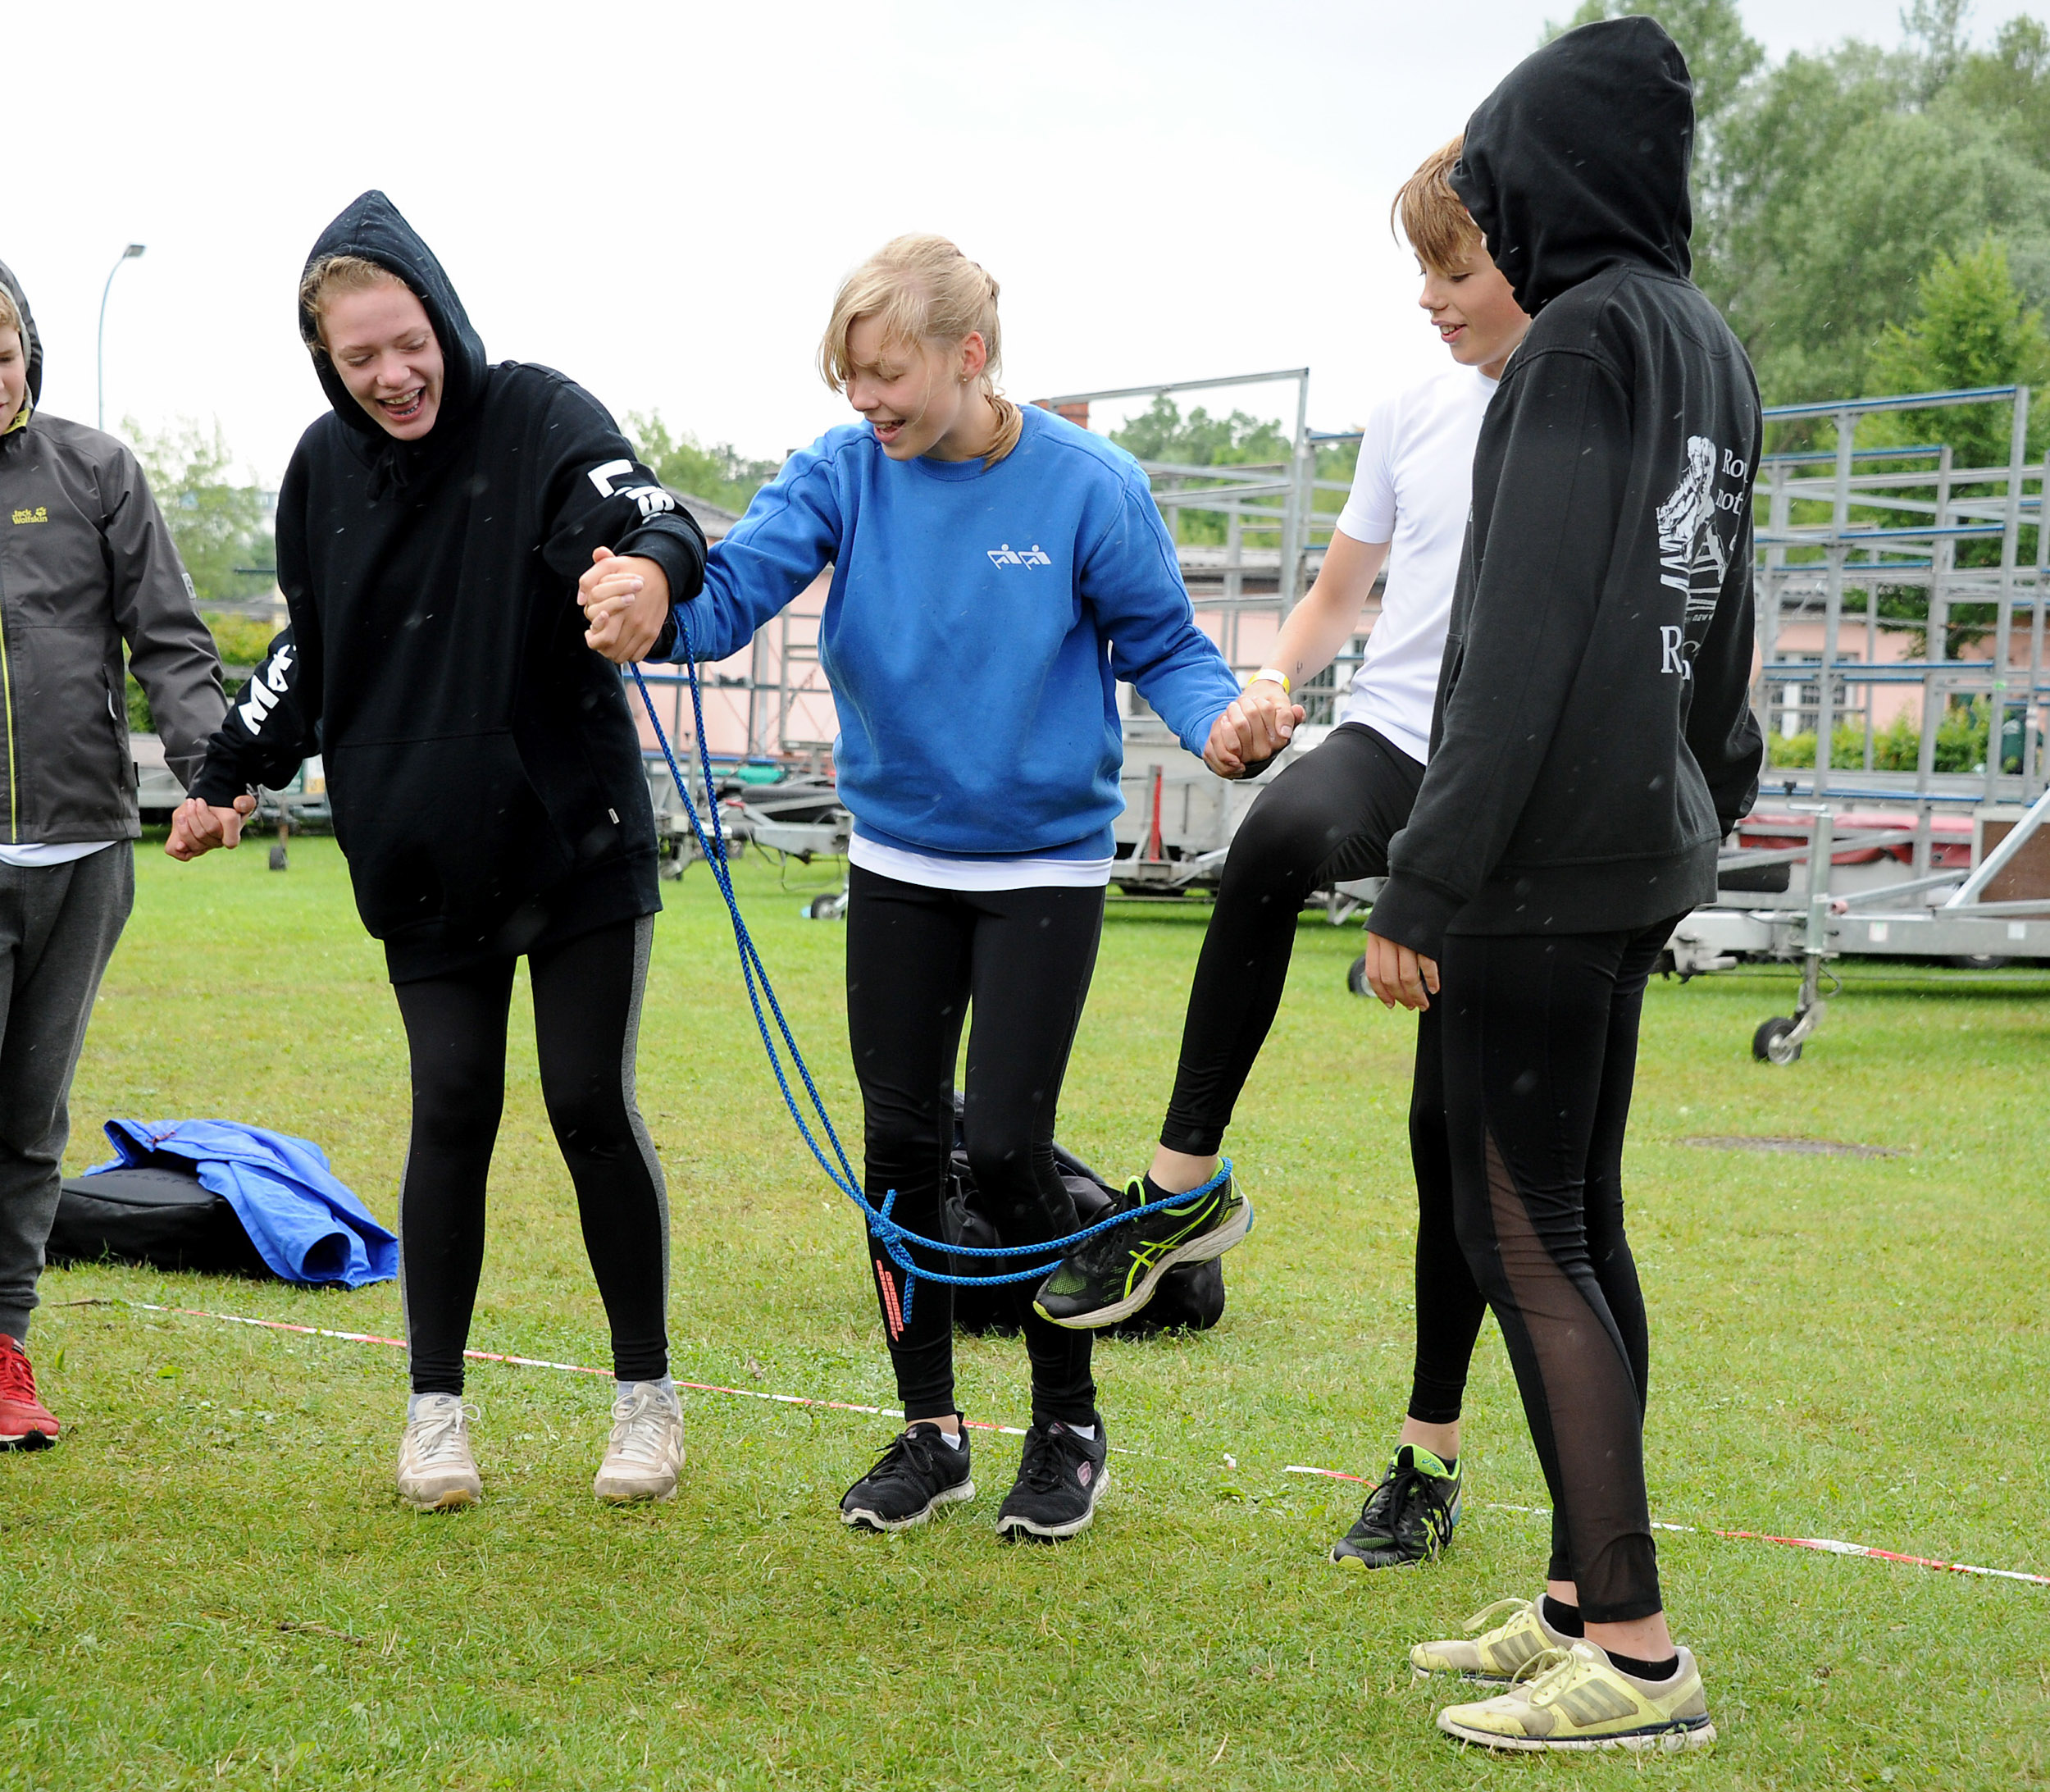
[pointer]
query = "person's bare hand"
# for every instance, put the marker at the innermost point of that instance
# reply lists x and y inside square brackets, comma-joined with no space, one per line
[1256,726]
[197,826]
[626,603]
[1399,977]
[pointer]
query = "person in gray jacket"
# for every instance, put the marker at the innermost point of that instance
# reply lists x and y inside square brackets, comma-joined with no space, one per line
[86,563]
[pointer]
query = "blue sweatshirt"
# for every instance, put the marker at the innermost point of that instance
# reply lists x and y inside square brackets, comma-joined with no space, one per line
[976,624]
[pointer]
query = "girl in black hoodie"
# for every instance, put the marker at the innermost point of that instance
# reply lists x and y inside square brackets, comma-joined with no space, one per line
[1593,742]
[487,788]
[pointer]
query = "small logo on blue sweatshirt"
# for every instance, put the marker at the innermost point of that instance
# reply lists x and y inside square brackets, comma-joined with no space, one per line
[1008,555]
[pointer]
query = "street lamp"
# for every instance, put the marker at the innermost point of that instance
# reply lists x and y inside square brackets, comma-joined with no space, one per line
[127,254]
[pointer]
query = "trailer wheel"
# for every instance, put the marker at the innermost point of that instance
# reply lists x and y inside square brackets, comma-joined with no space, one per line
[1356,977]
[1979,961]
[1768,1046]
[280,859]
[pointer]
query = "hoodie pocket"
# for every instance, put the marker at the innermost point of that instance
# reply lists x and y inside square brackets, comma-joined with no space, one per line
[441,829]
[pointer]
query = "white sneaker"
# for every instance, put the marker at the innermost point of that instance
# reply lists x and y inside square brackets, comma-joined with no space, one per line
[645,1450]
[436,1471]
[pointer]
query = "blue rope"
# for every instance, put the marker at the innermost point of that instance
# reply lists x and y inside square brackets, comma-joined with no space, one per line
[895,1239]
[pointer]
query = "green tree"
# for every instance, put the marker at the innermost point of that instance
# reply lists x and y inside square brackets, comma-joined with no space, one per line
[721,475]
[218,522]
[1971,326]
[1162,433]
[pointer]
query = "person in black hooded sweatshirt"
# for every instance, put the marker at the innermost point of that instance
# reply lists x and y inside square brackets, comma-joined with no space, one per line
[487,788]
[1593,744]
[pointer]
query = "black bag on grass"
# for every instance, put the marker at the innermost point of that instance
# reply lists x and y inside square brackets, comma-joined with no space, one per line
[161,1215]
[1190,1298]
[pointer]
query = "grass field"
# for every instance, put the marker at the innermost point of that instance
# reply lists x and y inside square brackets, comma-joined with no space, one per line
[209,1583]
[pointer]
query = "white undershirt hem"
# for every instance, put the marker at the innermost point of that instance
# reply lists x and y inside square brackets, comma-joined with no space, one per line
[933,872]
[40,853]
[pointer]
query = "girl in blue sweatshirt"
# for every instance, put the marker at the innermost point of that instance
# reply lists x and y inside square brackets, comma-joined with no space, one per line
[995,571]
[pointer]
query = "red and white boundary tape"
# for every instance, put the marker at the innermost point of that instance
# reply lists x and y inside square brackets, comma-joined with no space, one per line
[528,1362]
[1827,1545]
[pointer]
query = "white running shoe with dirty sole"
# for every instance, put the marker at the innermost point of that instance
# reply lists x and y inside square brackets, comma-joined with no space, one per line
[436,1471]
[644,1454]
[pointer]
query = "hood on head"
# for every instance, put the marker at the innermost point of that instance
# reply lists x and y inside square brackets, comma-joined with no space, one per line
[30,340]
[1579,160]
[372,227]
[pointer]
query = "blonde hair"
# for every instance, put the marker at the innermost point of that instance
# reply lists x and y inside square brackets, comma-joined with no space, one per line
[326,281]
[10,316]
[1432,217]
[921,288]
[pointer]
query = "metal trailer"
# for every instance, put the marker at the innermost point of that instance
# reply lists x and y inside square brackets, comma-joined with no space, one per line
[1878,522]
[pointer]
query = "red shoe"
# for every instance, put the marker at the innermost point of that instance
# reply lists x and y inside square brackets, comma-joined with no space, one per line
[26,1422]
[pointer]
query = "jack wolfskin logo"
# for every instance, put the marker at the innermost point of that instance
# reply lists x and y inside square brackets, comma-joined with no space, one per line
[1008,555]
[41,513]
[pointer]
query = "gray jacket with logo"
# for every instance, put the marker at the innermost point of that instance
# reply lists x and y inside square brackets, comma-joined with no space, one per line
[86,563]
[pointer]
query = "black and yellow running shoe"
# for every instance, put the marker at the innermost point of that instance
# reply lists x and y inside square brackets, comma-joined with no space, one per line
[1115,1274]
[1409,1518]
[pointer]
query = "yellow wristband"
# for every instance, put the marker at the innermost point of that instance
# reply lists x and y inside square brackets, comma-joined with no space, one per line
[1279,678]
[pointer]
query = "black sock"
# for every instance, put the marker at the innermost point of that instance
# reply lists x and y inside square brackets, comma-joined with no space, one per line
[1565,1619]
[1665,1670]
[1150,1191]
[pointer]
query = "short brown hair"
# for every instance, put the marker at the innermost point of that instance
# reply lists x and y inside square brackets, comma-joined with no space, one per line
[10,315]
[326,279]
[1431,215]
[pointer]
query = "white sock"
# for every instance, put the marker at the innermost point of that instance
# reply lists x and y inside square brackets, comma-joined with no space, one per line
[951,1438]
[1088,1432]
[667,1387]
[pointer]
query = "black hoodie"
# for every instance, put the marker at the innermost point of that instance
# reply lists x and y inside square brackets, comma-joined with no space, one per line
[1593,740]
[481,761]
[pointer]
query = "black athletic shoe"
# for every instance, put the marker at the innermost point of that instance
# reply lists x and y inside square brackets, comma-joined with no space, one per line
[1060,1478]
[1114,1275]
[919,1472]
[1409,1518]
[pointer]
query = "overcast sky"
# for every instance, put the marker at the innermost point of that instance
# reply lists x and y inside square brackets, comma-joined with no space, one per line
[659,199]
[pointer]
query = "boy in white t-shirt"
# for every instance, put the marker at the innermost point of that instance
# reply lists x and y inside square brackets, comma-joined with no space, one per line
[1329,817]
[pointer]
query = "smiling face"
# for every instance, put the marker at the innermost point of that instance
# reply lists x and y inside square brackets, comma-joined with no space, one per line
[1474,312]
[13,374]
[384,347]
[919,398]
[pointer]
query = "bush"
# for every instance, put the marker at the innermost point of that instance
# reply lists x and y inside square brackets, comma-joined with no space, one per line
[1961,744]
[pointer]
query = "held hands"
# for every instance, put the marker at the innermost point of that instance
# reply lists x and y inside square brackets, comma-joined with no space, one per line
[1256,726]
[197,826]
[1399,976]
[626,603]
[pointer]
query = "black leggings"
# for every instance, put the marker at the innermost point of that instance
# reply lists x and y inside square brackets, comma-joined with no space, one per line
[917,959]
[587,1021]
[1540,1039]
[1328,817]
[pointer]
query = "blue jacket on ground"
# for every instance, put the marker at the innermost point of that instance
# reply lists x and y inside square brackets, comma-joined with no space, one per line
[978,620]
[307,1225]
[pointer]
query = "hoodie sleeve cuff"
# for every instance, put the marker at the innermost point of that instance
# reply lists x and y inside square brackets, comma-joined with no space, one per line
[1414,913]
[680,562]
[217,785]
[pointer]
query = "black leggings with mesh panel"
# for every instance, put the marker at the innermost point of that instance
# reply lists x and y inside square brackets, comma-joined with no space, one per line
[1539,1039]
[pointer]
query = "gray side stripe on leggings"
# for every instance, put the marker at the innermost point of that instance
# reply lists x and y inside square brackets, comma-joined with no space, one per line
[644,948]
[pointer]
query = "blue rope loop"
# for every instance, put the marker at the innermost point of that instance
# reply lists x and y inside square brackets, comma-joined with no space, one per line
[896,1240]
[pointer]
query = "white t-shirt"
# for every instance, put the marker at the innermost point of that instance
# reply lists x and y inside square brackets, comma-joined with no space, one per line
[1414,487]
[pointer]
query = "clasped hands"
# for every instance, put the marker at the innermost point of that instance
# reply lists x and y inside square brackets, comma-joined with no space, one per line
[626,603]
[1253,729]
